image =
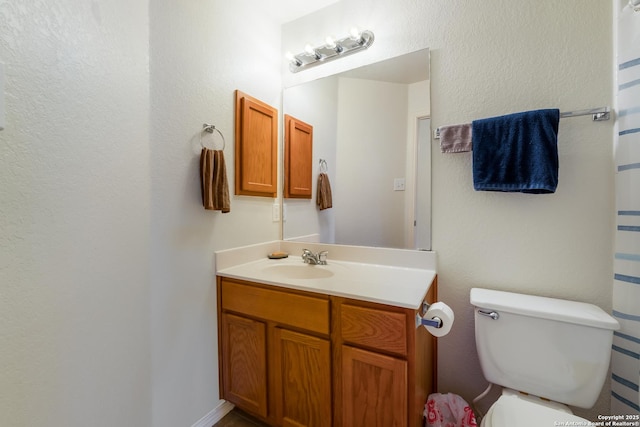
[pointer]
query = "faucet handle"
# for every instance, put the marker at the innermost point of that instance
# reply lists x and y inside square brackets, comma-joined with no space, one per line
[322,257]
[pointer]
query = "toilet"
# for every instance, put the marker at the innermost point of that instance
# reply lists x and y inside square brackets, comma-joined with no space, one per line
[546,353]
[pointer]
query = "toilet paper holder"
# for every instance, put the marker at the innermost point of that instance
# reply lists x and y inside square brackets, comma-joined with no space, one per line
[435,321]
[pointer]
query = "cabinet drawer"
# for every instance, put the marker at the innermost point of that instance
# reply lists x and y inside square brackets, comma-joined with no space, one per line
[378,329]
[301,311]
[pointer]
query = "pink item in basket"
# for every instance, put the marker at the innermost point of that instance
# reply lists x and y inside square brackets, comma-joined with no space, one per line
[448,410]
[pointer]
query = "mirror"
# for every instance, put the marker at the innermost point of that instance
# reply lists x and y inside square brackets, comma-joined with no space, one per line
[372,135]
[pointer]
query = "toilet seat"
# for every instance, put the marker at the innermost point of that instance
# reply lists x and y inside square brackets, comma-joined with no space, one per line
[513,409]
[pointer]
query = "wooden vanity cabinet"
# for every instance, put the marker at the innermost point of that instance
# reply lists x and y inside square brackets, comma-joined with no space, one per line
[298,359]
[275,353]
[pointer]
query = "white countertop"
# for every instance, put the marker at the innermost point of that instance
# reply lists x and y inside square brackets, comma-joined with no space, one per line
[398,285]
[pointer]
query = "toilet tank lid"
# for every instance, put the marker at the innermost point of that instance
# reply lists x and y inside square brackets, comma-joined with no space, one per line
[580,313]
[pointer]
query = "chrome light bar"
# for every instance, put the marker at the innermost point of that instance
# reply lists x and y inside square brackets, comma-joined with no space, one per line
[355,42]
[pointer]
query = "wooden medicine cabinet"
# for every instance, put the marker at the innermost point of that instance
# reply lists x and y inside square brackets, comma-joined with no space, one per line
[256,154]
[298,154]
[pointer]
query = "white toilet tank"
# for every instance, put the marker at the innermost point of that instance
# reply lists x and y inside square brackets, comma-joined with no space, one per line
[551,348]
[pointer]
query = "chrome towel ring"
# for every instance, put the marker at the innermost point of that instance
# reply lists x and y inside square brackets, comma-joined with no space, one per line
[323,166]
[206,127]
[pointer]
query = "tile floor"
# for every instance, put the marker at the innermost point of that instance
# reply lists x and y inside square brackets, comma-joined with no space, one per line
[237,418]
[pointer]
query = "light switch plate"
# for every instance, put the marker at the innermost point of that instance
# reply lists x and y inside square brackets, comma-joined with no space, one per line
[398,184]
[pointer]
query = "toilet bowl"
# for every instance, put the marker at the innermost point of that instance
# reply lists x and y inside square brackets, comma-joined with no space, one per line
[554,352]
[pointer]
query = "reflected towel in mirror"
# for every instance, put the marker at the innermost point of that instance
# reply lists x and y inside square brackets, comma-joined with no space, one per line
[323,198]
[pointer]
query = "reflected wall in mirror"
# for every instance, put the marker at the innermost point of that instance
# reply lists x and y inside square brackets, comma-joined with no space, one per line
[372,128]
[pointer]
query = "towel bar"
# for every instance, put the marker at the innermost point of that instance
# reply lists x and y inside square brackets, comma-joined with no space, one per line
[597,114]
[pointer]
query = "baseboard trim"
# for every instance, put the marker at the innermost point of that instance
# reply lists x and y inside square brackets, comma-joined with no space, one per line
[215,415]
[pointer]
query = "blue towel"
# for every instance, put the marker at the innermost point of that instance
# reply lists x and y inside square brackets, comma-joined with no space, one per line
[517,152]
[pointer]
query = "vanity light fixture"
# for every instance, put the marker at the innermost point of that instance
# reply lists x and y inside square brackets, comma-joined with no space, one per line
[356,41]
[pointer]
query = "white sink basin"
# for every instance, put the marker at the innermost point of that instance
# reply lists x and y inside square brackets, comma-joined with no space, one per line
[298,271]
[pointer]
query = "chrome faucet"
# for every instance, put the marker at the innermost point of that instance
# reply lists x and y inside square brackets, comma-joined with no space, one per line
[316,259]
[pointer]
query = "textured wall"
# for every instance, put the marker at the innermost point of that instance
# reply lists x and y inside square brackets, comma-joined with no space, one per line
[503,58]
[74,202]
[489,58]
[85,180]
[200,53]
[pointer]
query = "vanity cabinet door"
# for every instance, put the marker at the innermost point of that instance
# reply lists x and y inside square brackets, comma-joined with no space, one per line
[244,363]
[302,365]
[374,389]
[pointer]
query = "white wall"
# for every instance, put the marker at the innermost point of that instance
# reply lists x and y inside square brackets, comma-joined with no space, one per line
[200,53]
[74,214]
[490,58]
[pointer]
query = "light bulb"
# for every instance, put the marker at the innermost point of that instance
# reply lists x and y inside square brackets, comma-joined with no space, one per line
[292,59]
[330,42]
[355,33]
[309,49]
